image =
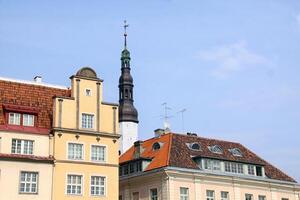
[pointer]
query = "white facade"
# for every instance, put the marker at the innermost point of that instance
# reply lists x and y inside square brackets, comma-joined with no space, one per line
[129,134]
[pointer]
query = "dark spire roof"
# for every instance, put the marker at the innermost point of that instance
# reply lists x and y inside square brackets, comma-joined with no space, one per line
[127,111]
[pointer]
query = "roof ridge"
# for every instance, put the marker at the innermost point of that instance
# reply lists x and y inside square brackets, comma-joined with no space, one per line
[170,146]
[207,138]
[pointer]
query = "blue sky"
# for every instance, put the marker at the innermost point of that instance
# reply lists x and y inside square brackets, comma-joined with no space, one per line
[234,65]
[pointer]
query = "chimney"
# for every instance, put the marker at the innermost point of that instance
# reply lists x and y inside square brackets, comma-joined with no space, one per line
[138,149]
[37,79]
[158,132]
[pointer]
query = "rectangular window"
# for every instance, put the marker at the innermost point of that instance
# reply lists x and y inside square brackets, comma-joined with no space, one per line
[98,153]
[284,199]
[250,169]
[261,197]
[125,169]
[97,186]
[207,164]
[14,118]
[22,147]
[233,167]
[227,167]
[29,182]
[240,168]
[131,167]
[216,165]
[258,171]
[248,197]
[184,193]
[87,121]
[28,120]
[74,184]
[224,195]
[75,151]
[139,166]
[153,194]
[210,195]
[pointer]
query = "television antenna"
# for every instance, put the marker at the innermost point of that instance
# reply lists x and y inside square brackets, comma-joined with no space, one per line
[182,118]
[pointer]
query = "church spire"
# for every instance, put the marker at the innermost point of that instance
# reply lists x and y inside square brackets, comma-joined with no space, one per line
[127,111]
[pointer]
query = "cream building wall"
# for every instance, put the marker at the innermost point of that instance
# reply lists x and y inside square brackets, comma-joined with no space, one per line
[10,176]
[199,183]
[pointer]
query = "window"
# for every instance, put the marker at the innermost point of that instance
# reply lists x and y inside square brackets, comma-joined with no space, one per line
[248,197]
[74,184]
[87,121]
[184,193]
[22,147]
[224,195]
[195,146]
[216,165]
[240,168]
[156,146]
[135,195]
[131,167]
[153,194]
[125,169]
[14,118]
[88,92]
[97,186]
[120,197]
[98,153]
[258,171]
[207,164]
[233,168]
[28,120]
[250,169]
[236,152]
[227,167]
[75,151]
[139,166]
[210,195]
[216,149]
[29,182]
[261,197]
[284,199]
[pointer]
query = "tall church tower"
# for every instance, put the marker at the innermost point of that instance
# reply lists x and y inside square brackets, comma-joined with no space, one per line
[128,115]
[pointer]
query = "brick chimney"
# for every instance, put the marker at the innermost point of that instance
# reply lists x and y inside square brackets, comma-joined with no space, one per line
[138,149]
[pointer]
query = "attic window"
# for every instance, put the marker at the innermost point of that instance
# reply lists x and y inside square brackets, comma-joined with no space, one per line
[195,146]
[216,149]
[236,152]
[156,146]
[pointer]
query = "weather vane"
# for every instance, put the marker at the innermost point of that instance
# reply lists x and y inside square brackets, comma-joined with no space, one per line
[125,32]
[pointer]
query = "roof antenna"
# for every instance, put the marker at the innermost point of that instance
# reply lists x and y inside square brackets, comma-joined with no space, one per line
[166,116]
[182,118]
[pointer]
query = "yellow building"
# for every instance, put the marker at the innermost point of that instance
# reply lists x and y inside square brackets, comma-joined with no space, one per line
[84,141]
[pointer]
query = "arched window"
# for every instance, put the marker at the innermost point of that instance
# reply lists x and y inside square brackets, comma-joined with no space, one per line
[195,146]
[216,149]
[236,152]
[156,146]
[126,93]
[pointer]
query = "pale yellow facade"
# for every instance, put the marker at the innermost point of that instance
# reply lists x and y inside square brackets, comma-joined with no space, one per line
[169,181]
[69,128]
[10,170]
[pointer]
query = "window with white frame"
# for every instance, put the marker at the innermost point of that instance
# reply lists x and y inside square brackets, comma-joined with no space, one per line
[97,185]
[251,170]
[234,167]
[87,121]
[214,165]
[261,197]
[248,197]
[153,194]
[28,120]
[22,146]
[14,118]
[184,193]
[98,153]
[227,167]
[88,92]
[75,151]
[240,168]
[74,184]
[210,195]
[28,182]
[224,195]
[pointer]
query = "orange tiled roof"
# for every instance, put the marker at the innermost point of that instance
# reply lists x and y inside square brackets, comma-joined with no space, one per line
[175,152]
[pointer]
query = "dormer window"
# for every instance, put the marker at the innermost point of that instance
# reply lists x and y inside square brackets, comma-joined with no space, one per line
[20,119]
[195,146]
[88,92]
[14,118]
[156,146]
[216,149]
[236,152]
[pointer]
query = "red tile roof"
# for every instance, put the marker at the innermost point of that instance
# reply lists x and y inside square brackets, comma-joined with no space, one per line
[32,158]
[175,152]
[30,98]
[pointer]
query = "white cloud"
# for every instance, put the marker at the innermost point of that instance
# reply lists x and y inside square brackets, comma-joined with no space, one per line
[231,58]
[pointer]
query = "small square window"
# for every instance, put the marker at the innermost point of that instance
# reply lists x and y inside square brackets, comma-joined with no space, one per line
[88,92]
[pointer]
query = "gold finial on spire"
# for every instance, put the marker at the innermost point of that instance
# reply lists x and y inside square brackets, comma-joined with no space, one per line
[125,33]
